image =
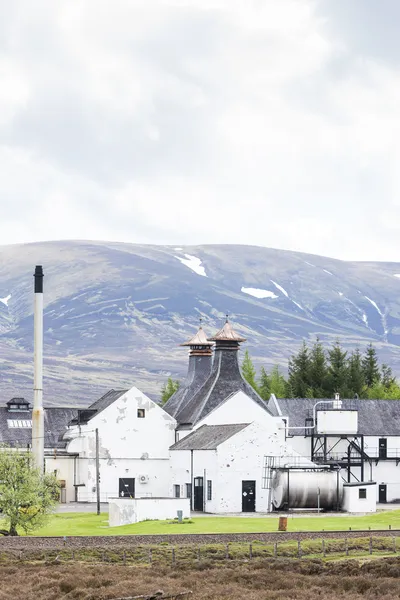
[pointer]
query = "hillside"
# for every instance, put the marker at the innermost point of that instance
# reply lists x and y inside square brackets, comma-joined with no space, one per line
[115,314]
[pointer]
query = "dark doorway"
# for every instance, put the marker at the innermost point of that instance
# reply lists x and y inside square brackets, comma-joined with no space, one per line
[382,499]
[383,448]
[198,496]
[126,487]
[248,496]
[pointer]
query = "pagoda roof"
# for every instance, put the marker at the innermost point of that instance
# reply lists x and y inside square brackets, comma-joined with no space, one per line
[199,339]
[227,334]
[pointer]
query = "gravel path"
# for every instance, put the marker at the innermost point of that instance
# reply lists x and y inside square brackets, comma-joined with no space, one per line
[130,541]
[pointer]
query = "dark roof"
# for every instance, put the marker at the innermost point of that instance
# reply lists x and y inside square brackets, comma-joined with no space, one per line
[55,424]
[106,400]
[208,437]
[375,417]
[198,372]
[224,381]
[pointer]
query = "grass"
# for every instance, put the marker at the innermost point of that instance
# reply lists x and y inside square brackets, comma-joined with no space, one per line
[68,524]
[258,580]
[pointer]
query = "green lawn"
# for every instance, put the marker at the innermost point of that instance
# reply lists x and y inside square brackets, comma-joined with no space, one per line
[91,524]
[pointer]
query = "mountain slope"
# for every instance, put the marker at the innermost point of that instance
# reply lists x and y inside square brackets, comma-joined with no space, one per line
[116,313]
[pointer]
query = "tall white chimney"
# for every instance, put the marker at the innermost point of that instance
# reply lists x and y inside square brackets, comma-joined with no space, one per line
[37,413]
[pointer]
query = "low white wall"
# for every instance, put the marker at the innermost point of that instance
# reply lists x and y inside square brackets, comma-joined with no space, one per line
[124,511]
[352,502]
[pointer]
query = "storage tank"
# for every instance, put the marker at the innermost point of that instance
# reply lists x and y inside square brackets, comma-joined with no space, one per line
[300,489]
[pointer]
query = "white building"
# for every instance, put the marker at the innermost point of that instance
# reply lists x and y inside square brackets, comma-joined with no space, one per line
[360,436]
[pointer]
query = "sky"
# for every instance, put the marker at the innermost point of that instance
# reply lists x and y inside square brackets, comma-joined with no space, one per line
[267,122]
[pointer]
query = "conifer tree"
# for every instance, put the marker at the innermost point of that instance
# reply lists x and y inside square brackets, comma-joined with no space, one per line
[264,385]
[387,378]
[318,371]
[299,372]
[248,371]
[370,366]
[338,371]
[356,375]
[169,389]
[279,385]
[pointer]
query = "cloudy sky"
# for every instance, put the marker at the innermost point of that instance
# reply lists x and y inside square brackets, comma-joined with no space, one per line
[268,122]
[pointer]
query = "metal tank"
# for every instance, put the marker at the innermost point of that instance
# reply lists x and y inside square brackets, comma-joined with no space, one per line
[306,489]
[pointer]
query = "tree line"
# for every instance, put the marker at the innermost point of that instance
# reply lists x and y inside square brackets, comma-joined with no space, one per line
[316,371]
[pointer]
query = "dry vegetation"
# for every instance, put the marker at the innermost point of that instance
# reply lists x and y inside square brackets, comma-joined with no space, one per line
[258,580]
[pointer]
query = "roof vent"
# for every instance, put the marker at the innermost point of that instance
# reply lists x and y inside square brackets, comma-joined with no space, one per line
[18,404]
[337,403]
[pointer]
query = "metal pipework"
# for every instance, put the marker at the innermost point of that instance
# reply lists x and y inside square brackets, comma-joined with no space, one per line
[335,401]
[37,412]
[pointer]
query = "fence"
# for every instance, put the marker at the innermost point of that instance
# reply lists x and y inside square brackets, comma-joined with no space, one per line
[166,554]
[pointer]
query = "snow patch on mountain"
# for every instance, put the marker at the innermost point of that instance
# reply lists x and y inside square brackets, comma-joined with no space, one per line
[280,288]
[6,299]
[374,304]
[193,263]
[326,271]
[258,293]
[365,319]
[297,304]
[397,275]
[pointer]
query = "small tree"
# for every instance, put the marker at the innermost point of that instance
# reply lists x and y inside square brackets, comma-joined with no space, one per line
[169,389]
[27,497]
[338,374]
[279,385]
[299,372]
[264,385]
[370,366]
[356,374]
[318,371]
[249,371]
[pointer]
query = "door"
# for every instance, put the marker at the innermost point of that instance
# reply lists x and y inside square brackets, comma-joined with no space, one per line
[198,497]
[248,496]
[383,448]
[126,487]
[382,494]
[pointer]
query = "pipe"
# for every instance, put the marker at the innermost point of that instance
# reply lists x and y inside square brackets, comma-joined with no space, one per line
[286,428]
[37,412]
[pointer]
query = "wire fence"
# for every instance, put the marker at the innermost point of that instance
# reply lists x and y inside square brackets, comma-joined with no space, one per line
[167,554]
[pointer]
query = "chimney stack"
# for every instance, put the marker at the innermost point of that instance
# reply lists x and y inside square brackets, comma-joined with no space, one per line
[37,412]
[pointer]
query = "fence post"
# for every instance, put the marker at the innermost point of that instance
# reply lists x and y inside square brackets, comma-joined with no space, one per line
[323,548]
[299,549]
[370,544]
[346,541]
[275,549]
[250,552]
[227,551]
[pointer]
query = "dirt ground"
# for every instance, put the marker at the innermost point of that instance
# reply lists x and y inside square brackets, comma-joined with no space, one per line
[261,580]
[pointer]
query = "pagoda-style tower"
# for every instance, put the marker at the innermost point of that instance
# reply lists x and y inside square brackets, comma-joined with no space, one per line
[200,363]
[225,379]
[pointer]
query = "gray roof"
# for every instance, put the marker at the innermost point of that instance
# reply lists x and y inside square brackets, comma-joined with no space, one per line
[375,417]
[208,437]
[55,424]
[198,372]
[225,380]
[106,400]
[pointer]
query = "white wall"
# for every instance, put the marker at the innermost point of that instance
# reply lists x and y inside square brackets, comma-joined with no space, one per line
[63,468]
[129,447]
[124,511]
[337,421]
[354,504]
[239,408]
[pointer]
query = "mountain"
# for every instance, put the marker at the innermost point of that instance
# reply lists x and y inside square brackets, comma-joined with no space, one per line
[116,313]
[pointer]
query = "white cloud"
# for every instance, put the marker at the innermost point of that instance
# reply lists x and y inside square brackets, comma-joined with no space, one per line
[197,122]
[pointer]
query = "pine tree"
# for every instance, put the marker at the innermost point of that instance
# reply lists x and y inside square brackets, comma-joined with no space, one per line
[264,385]
[279,385]
[356,375]
[169,389]
[299,372]
[248,371]
[338,374]
[370,366]
[387,378]
[318,371]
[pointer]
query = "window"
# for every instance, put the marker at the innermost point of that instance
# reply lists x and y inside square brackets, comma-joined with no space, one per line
[362,493]
[141,413]
[188,490]
[19,424]
[209,489]
[177,491]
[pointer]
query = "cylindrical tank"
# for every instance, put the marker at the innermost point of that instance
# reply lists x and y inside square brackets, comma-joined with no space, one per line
[306,489]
